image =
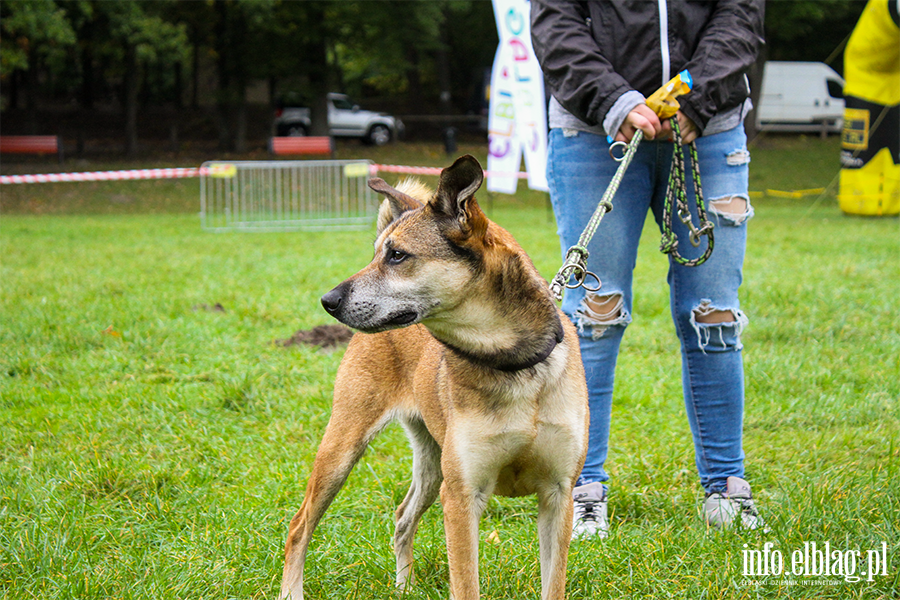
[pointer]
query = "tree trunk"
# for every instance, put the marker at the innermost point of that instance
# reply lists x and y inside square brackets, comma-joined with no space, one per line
[223,69]
[14,79]
[443,69]
[274,103]
[319,114]
[414,94]
[178,92]
[317,55]
[31,91]
[132,87]
[87,67]
[240,119]
[195,68]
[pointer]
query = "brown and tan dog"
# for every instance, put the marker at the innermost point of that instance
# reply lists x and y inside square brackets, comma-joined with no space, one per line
[485,376]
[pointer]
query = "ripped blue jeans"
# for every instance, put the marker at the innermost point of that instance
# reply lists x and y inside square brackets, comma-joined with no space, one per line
[579,171]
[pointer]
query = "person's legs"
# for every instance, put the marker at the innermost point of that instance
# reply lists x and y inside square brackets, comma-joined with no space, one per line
[706,310]
[579,171]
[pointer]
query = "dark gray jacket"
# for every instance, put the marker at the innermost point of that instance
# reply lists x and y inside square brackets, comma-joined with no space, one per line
[593,52]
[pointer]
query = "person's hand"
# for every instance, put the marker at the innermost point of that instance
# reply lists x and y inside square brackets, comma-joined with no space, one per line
[641,117]
[689,131]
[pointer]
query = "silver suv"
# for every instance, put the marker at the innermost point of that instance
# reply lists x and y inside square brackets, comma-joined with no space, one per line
[345,119]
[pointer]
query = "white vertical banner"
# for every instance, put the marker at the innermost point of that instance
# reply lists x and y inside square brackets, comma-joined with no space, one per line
[517,122]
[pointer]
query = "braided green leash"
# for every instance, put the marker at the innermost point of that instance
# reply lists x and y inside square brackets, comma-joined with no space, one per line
[575,264]
[676,199]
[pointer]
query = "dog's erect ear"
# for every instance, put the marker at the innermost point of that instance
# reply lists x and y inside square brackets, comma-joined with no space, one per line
[396,203]
[456,194]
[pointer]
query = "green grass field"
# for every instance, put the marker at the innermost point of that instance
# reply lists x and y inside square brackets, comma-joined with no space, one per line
[153,447]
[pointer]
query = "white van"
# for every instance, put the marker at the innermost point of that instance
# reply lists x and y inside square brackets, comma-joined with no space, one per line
[801,96]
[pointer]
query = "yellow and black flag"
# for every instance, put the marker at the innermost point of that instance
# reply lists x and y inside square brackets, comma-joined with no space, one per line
[870,142]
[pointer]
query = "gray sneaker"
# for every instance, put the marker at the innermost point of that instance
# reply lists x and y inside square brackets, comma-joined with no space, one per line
[590,517]
[721,510]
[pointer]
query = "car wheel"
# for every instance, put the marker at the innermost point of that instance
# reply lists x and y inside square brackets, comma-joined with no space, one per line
[379,135]
[293,130]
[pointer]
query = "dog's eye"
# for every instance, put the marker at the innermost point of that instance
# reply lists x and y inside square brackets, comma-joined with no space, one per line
[396,256]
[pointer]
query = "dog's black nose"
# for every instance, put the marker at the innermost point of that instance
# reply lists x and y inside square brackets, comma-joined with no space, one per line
[332,300]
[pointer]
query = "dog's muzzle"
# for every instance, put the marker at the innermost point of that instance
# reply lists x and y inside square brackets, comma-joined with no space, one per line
[364,316]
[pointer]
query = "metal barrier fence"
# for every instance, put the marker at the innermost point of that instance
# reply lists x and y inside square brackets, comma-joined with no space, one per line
[286,195]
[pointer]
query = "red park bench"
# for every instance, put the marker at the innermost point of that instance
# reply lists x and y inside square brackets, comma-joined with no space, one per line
[31,144]
[323,146]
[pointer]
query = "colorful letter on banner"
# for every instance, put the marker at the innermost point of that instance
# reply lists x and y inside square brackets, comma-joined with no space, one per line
[518,116]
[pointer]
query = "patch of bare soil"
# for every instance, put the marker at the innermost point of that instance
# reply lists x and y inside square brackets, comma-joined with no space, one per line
[323,336]
[207,308]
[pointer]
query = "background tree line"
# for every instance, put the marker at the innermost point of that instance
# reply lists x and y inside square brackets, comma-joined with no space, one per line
[420,57]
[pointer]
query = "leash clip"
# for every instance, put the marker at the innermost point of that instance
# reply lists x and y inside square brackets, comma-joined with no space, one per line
[684,215]
[696,234]
[575,266]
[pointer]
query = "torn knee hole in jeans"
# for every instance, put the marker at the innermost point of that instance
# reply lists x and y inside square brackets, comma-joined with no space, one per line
[719,326]
[600,312]
[734,209]
[738,157]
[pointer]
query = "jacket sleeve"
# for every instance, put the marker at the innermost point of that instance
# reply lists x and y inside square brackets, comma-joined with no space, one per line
[727,48]
[580,78]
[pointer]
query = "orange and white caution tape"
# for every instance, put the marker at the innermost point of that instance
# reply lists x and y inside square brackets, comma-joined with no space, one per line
[214,171]
[173,173]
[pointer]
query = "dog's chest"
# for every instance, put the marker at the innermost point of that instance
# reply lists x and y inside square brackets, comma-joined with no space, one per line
[531,435]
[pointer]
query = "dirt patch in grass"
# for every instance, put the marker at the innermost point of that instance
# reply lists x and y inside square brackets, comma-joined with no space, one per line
[323,336]
[217,307]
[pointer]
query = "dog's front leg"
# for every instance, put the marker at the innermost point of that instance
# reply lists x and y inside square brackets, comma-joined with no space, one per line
[346,437]
[463,506]
[554,533]
[423,491]
[330,469]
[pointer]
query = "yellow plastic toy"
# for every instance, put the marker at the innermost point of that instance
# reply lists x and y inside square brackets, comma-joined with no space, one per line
[663,101]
